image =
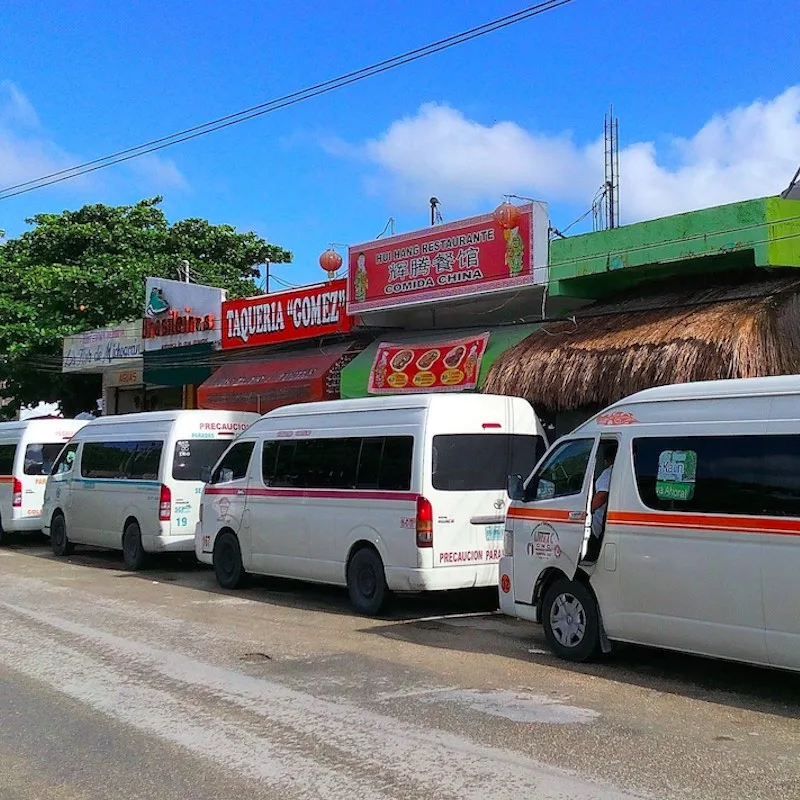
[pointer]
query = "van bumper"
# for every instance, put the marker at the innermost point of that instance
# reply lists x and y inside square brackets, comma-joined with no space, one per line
[439,579]
[169,544]
[25,523]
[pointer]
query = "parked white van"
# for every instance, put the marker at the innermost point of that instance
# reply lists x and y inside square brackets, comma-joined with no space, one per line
[699,550]
[133,482]
[27,452]
[379,495]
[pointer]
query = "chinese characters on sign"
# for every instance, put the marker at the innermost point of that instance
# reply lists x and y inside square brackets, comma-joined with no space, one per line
[444,366]
[469,257]
[284,317]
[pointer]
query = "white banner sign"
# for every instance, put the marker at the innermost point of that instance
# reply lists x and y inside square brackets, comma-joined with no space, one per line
[104,348]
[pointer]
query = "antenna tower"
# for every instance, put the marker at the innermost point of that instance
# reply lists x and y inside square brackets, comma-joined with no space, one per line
[611,185]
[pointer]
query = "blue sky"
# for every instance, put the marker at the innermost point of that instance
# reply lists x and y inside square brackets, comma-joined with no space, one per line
[709,108]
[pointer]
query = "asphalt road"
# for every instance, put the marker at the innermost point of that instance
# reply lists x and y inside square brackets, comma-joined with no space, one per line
[161,685]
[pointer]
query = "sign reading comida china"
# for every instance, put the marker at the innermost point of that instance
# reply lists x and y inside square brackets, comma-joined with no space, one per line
[285,316]
[104,348]
[470,257]
[178,314]
[450,366]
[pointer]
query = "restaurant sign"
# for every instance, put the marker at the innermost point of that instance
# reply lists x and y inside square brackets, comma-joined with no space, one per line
[286,316]
[104,348]
[470,257]
[450,366]
[179,314]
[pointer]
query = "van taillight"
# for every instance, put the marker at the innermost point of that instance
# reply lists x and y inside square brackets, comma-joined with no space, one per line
[165,504]
[17,491]
[424,523]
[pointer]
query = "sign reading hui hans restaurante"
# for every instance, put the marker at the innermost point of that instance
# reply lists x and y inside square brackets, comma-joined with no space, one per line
[285,316]
[470,257]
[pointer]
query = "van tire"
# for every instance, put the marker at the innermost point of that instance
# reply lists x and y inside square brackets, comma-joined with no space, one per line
[133,553]
[366,582]
[227,560]
[59,540]
[571,620]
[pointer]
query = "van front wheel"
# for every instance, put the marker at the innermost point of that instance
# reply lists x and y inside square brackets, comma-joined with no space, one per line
[571,620]
[133,553]
[366,582]
[59,540]
[227,558]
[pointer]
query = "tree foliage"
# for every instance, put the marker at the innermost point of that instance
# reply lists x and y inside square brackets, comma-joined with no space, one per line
[86,269]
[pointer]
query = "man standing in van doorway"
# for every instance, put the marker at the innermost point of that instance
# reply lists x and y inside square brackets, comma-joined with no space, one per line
[601,487]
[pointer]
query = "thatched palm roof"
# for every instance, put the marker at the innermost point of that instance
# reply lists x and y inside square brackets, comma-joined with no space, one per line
[611,350]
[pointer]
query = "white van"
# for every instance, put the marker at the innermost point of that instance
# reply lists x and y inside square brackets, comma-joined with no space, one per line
[133,482]
[27,452]
[698,546]
[381,494]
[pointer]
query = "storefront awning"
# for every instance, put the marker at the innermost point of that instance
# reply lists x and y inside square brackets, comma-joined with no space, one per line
[356,375]
[611,350]
[177,366]
[277,380]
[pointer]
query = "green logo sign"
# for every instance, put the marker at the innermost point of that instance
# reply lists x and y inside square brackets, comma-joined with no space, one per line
[677,470]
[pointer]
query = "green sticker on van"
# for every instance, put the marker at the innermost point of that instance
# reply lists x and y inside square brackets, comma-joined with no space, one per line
[677,470]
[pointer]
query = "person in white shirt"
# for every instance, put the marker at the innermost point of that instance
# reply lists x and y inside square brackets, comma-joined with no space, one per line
[601,487]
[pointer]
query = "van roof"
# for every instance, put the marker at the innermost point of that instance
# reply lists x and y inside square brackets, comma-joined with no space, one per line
[699,390]
[381,403]
[21,424]
[158,416]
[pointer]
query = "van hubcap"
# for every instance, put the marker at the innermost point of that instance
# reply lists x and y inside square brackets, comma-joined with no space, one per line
[568,620]
[367,581]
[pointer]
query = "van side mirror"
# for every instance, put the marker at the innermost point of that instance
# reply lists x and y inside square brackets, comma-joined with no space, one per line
[205,474]
[515,488]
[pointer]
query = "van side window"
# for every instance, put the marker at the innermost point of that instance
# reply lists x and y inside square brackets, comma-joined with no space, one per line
[66,460]
[747,475]
[563,473]
[350,462]
[146,462]
[121,460]
[106,459]
[234,464]
[7,453]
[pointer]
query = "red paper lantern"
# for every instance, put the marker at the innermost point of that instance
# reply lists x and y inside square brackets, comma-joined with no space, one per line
[330,261]
[507,216]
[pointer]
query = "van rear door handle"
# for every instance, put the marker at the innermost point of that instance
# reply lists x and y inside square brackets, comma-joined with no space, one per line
[576,515]
[240,491]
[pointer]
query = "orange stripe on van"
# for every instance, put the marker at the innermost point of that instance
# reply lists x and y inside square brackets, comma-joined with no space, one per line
[6,478]
[544,514]
[777,526]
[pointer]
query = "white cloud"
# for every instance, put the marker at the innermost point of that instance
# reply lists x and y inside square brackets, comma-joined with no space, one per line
[746,152]
[28,152]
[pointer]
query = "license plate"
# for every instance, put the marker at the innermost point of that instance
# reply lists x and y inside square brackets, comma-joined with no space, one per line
[494,533]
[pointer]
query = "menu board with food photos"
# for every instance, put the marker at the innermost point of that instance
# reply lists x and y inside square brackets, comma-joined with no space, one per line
[450,366]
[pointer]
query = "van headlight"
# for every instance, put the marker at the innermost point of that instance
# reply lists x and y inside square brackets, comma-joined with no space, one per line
[508,540]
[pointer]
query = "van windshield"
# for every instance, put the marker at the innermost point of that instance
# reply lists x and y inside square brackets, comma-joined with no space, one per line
[469,462]
[191,455]
[39,458]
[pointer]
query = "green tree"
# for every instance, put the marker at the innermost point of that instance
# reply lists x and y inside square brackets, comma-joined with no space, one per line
[85,269]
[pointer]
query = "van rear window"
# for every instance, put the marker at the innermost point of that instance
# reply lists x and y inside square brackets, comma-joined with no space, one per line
[191,455]
[7,453]
[470,462]
[39,458]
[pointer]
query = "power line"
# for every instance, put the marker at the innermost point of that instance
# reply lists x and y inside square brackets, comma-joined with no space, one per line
[280,102]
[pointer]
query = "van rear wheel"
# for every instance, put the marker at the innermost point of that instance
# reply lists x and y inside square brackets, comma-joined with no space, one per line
[133,553]
[59,540]
[366,582]
[227,559]
[571,620]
